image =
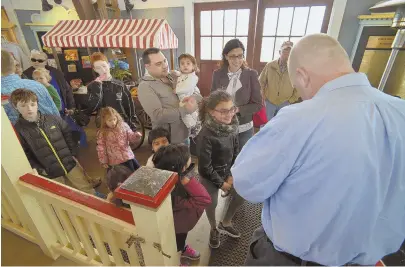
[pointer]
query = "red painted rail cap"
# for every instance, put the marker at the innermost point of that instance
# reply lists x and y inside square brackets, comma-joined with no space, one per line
[79,197]
[135,187]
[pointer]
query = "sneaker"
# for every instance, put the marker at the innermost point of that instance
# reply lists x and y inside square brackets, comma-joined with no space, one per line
[190,253]
[224,193]
[228,230]
[214,238]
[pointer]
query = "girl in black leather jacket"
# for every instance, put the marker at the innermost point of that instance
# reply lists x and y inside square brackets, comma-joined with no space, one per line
[217,147]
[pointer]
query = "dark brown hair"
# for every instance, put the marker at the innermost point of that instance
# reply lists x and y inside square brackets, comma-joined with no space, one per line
[191,58]
[147,52]
[117,175]
[22,95]
[211,101]
[229,46]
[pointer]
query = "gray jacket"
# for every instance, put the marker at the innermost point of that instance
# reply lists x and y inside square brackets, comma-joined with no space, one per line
[161,103]
[248,99]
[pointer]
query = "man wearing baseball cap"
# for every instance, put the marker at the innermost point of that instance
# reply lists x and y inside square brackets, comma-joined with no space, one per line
[275,83]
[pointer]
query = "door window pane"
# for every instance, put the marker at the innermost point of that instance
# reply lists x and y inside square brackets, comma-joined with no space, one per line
[242,23]
[230,22]
[206,48]
[244,42]
[205,22]
[218,22]
[284,21]
[270,21]
[315,19]
[300,20]
[295,39]
[266,54]
[226,39]
[217,48]
[279,42]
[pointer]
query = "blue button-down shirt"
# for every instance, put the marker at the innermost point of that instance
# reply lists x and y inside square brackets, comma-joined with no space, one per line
[11,82]
[331,174]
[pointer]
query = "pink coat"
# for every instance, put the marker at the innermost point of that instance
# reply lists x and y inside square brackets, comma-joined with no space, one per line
[113,146]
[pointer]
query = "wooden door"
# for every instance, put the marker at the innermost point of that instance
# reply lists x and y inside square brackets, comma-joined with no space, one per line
[282,20]
[216,24]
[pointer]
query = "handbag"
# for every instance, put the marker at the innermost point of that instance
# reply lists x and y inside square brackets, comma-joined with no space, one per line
[260,118]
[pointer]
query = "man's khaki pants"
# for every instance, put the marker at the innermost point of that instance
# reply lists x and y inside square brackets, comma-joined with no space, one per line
[76,178]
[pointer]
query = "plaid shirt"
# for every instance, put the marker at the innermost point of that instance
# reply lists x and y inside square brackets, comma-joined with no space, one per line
[12,82]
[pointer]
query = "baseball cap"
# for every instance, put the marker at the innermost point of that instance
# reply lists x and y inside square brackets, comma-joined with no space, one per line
[287,44]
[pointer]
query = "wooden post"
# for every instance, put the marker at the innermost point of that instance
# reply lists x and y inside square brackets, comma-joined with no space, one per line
[131,58]
[14,164]
[172,59]
[84,9]
[55,55]
[148,193]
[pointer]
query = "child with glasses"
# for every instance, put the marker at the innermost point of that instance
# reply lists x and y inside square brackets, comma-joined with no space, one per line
[218,146]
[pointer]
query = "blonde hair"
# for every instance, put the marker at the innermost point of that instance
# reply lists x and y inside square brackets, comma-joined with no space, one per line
[35,52]
[7,63]
[105,114]
[42,71]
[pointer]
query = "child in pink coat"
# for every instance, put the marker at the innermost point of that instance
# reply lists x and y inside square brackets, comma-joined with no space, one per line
[113,141]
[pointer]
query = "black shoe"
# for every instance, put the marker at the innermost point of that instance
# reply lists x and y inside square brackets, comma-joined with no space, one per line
[228,230]
[214,238]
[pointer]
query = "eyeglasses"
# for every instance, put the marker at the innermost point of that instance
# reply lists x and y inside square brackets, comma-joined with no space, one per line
[37,60]
[236,57]
[225,112]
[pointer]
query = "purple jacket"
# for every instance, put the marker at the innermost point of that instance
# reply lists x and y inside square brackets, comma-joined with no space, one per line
[187,212]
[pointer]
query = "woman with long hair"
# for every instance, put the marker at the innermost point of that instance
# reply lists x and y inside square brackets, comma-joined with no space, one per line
[242,83]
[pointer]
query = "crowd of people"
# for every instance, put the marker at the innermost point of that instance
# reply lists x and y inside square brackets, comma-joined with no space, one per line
[329,165]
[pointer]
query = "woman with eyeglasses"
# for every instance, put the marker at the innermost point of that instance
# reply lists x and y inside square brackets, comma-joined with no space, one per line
[39,60]
[242,83]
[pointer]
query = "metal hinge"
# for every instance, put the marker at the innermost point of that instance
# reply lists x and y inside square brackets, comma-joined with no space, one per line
[159,247]
[134,239]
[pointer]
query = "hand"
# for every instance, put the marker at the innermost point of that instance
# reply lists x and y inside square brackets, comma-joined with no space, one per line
[176,73]
[69,111]
[105,166]
[110,197]
[35,172]
[138,134]
[229,180]
[101,78]
[190,104]
[226,186]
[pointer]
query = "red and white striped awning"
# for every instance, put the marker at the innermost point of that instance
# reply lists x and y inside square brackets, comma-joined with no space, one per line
[114,33]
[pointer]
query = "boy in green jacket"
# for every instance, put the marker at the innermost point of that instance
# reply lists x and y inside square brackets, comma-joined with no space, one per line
[42,76]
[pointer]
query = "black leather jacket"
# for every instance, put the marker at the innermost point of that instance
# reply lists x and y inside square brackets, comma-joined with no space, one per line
[112,94]
[40,138]
[216,155]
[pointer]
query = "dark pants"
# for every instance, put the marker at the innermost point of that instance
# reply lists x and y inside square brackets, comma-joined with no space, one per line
[131,164]
[244,137]
[262,252]
[181,241]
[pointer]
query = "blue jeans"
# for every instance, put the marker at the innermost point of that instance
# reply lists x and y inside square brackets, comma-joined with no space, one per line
[272,110]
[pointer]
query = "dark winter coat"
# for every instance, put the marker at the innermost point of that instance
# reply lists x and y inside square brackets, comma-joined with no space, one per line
[187,211]
[217,146]
[65,89]
[40,139]
[113,94]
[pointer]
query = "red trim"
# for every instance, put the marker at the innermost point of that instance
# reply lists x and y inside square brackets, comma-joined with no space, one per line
[380,263]
[86,200]
[151,202]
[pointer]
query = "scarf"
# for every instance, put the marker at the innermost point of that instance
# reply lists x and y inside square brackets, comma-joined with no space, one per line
[221,129]
[234,82]
[282,66]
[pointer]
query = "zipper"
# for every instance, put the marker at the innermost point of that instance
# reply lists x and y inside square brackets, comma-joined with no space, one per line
[53,149]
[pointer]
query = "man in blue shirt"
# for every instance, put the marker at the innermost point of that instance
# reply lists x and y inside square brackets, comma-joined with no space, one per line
[330,170]
[11,81]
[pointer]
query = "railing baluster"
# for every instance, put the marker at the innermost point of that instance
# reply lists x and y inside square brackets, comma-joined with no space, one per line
[50,213]
[131,251]
[98,241]
[67,225]
[10,210]
[110,235]
[84,236]
[4,213]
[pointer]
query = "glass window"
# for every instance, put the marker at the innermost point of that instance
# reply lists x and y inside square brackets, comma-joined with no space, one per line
[315,19]
[217,47]
[270,21]
[226,39]
[266,54]
[279,42]
[205,22]
[284,21]
[295,39]
[244,42]
[218,22]
[230,22]
[206,48]
[242,23]
[299,21]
